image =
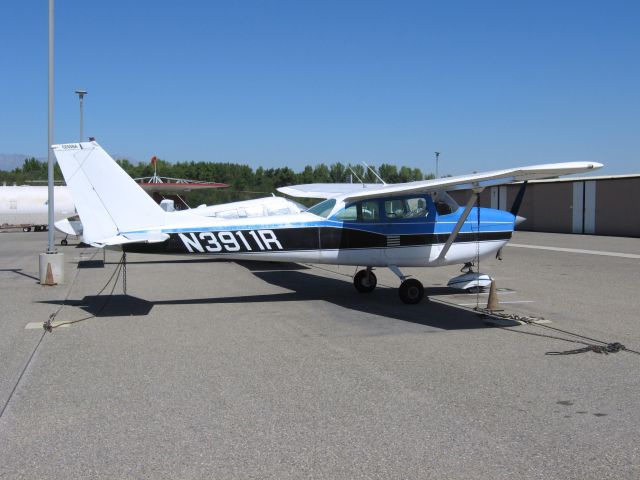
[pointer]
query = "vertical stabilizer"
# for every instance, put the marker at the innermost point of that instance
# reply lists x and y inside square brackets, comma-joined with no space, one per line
[107,199]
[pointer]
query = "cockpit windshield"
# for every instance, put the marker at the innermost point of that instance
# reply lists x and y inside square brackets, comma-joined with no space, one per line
[323,209]
[444,203]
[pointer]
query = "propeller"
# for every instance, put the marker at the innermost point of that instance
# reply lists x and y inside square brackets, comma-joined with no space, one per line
[517,202]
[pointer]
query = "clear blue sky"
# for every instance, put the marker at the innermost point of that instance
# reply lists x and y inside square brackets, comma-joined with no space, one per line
[490,84]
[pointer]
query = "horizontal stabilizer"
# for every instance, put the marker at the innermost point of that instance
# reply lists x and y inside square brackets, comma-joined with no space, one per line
[131,238]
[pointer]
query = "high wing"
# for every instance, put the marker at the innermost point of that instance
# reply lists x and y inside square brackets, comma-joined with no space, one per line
[325,190]
[480,181]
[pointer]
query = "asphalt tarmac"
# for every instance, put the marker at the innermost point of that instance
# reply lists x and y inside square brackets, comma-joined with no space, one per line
[220,369]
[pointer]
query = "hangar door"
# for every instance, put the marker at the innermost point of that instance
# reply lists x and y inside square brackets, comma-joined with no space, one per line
[584,207]
[499,197]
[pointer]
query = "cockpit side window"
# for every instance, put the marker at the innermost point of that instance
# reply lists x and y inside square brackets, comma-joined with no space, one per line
[406,208]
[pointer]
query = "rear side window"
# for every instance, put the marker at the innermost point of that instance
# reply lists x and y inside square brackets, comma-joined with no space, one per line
[349,214]
[365,211]
[369,211]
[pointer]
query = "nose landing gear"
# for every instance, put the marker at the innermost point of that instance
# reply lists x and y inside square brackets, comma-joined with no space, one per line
[411,291]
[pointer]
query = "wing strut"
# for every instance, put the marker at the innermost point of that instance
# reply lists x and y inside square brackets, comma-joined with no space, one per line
[461,220]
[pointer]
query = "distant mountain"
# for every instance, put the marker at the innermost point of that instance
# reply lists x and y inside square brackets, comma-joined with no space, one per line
[9,161]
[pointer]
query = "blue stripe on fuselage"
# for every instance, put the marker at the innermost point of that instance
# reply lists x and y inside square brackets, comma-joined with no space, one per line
[491,220]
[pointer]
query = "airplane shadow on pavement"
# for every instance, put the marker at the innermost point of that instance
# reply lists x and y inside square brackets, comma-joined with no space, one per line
[383,301]
[305,286]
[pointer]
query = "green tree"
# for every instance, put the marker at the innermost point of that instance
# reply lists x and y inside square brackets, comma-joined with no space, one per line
[306,176]
[389,173]
[337,173]
[321,174]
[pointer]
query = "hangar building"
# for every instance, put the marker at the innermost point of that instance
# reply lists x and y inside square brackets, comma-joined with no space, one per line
[606,205]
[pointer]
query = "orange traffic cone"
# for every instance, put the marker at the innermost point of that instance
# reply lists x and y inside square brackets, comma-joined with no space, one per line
[493,305]
[49,278]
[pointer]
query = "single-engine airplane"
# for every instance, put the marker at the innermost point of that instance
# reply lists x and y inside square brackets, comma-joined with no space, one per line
[415,224]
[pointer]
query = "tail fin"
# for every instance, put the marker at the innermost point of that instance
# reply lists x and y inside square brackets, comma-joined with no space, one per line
[107,199]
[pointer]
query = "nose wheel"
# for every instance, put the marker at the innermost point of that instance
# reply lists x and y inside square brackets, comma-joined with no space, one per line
[411,290]
[365,281]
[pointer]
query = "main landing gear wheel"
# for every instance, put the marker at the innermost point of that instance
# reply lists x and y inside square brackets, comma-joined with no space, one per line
[365,281]
[64,242]
[411,291]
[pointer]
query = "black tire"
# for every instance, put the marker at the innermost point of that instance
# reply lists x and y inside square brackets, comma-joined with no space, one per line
[26,229]
[411,291]
[64,242]
[365,281]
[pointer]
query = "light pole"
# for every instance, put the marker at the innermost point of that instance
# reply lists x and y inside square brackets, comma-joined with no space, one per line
[51,263]
[81,94]
[437,156]
[50,247]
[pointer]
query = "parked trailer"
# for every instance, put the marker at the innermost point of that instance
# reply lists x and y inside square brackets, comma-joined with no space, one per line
[27,208]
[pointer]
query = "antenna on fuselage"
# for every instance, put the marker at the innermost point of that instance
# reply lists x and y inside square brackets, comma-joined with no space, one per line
[355,175]
[375,173]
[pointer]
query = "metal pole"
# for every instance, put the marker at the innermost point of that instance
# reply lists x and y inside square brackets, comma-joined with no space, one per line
[51,246]
[81,94]
[437,156]
[81,117]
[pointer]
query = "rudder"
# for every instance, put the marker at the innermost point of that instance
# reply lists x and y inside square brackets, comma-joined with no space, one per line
[107,199]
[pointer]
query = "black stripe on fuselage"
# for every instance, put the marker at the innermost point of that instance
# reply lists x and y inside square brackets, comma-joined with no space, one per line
[295,239]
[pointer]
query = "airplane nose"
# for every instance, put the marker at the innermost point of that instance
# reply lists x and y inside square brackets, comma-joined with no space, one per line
[519,220]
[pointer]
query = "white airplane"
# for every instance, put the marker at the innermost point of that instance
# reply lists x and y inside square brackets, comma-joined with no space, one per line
[413,224]
[256,207]
[27,207]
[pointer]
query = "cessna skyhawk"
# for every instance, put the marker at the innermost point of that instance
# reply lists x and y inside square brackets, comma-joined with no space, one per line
[415,224]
